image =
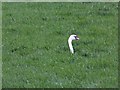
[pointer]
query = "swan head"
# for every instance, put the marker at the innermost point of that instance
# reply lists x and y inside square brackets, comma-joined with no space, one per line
[73,37]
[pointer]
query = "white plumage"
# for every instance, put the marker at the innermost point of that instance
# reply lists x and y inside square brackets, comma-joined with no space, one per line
[72,37]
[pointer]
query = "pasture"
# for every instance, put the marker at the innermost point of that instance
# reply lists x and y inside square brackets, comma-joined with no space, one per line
[35,52]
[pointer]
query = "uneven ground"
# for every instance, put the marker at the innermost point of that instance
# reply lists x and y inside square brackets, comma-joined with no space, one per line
[35,49]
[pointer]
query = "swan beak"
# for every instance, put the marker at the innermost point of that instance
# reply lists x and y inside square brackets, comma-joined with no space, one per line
[77,38]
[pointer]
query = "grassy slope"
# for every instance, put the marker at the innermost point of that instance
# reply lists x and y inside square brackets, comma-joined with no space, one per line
[35,50]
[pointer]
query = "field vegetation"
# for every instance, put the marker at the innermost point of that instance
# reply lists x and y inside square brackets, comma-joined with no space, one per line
[35,49]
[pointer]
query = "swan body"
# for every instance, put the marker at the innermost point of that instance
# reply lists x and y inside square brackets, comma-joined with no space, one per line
[71,38]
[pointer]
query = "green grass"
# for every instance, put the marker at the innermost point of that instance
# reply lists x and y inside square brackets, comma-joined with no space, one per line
[0,46]
[35,50]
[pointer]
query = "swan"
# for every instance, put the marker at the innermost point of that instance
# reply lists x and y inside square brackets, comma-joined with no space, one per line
[72,37]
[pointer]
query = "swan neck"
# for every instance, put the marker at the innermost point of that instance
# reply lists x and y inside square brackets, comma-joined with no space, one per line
[70,45]
[69,40]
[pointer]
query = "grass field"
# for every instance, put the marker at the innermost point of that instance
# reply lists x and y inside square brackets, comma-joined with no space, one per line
[0,46]
[35,49]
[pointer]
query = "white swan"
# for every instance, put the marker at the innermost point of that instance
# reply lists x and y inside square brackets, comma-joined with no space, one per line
[72,37]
